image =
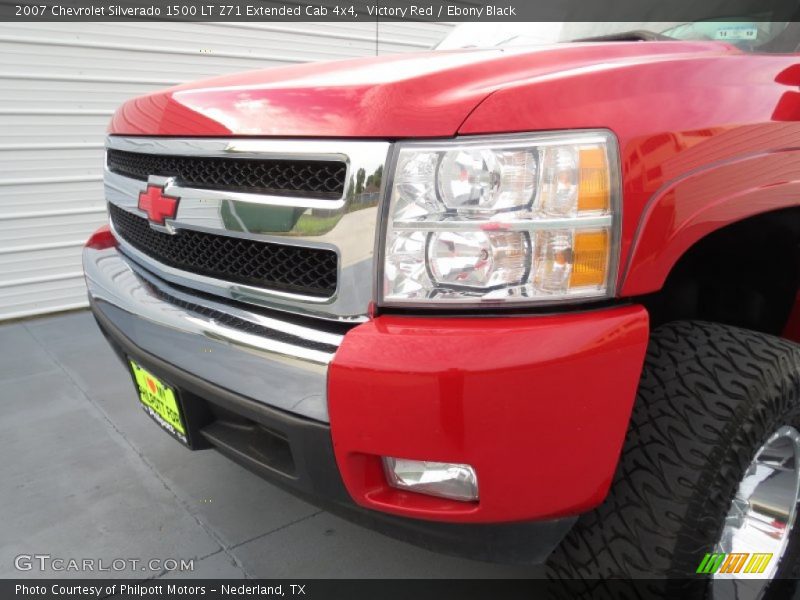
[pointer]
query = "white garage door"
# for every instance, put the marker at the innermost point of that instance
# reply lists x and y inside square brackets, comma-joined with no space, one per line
[59,84]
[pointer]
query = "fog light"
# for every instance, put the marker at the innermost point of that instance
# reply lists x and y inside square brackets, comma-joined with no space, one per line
[446,480]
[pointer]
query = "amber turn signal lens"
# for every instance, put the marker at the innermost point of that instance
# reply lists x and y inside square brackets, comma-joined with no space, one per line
[590,258]
[594,187]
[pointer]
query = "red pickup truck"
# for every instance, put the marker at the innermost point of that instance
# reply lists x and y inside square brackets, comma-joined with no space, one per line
[521,303]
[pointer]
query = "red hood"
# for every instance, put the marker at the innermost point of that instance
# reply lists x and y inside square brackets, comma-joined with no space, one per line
[410,95]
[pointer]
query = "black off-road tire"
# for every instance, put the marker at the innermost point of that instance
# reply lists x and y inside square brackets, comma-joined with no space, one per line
[709,397]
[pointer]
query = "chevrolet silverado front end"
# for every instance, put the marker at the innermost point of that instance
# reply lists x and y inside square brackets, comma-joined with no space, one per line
[420,290]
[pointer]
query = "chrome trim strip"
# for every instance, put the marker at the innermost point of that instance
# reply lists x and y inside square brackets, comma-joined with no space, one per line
[309,334]
[347,225]
[288,376]
[517,225]
[243,147]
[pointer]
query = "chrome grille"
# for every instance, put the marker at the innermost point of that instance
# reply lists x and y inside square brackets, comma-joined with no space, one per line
[299,240]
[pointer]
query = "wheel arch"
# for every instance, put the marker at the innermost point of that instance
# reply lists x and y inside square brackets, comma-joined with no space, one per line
[744,273]
[687,211]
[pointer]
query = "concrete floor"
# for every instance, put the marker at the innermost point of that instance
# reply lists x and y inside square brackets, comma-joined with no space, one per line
[85,474]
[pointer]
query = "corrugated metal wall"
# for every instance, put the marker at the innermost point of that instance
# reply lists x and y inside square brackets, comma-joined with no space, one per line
[59,84]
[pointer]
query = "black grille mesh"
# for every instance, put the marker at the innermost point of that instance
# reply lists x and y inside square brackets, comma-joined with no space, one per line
[307,178]
[295,269]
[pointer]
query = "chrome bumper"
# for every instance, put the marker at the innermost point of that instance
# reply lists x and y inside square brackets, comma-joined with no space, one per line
[280,362]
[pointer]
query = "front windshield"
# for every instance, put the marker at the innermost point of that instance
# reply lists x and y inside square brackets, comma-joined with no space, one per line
[750,36]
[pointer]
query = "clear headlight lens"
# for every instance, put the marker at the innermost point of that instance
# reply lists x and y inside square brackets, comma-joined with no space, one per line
[504,219]
[481,180]
[477,259]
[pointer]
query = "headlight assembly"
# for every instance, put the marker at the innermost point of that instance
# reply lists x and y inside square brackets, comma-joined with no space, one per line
[504,219]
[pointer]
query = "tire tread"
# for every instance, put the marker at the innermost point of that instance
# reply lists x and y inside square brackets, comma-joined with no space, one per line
[705,398]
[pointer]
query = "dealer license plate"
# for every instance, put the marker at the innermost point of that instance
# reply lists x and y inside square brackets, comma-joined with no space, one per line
[159,401]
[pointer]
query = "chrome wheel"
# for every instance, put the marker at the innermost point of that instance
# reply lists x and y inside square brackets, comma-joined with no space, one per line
[760,520]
